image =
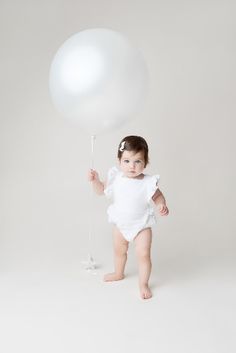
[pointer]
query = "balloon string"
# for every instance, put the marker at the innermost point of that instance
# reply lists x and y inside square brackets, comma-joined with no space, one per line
[93,137]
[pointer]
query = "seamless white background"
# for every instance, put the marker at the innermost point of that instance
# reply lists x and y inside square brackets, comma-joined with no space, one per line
[48,302]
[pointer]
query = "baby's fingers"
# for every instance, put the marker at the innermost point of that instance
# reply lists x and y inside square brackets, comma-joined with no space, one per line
[163,210]
[166,212]
[91,175]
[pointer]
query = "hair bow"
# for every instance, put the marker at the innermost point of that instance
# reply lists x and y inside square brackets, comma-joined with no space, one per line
[122,146]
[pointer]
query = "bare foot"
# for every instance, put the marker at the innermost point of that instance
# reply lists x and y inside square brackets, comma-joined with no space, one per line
[145,292]
[112,277]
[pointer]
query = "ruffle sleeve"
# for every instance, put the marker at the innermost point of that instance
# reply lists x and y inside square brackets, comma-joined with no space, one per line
[152,185]
[111,176]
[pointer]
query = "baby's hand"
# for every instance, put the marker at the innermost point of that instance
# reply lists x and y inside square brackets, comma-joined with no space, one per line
[92,175]
[163,210]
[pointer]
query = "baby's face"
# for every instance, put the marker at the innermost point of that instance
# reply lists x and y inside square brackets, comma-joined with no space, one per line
[132,164]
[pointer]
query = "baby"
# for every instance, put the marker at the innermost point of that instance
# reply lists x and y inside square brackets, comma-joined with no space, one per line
[131,212]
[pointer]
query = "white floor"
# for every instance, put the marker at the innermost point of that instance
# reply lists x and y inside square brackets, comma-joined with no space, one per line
[68,310]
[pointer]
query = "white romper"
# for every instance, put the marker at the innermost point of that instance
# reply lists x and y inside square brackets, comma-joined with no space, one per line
[131,210]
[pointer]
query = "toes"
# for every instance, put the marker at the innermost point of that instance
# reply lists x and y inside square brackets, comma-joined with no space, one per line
[112,277]
[146,294]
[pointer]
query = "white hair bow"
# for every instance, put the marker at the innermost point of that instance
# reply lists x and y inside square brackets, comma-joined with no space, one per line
[122,146]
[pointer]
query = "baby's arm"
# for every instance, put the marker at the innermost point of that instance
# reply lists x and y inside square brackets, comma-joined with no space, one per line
[160,201]
[98,185]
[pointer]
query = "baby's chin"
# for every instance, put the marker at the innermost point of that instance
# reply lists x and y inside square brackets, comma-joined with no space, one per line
[133,175]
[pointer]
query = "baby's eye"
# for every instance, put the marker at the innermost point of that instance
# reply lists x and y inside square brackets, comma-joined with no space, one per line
[126,161]
[138,161]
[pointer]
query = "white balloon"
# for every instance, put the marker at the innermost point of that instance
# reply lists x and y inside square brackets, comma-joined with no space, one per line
[98,79]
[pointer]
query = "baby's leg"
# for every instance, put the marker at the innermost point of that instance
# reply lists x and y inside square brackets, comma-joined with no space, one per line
[120,256]
[143,248]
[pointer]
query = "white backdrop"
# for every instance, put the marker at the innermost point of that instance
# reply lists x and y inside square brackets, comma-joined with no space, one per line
[188,121]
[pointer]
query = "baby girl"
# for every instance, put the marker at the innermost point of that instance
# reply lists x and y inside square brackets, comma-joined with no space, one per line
[132,214]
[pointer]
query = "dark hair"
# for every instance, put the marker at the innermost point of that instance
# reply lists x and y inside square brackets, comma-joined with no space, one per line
[135,144]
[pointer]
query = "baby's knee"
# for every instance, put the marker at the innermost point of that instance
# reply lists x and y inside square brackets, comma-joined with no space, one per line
[121,250]
[143,254]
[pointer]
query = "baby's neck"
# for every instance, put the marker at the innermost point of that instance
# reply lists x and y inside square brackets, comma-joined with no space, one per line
[139,177]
